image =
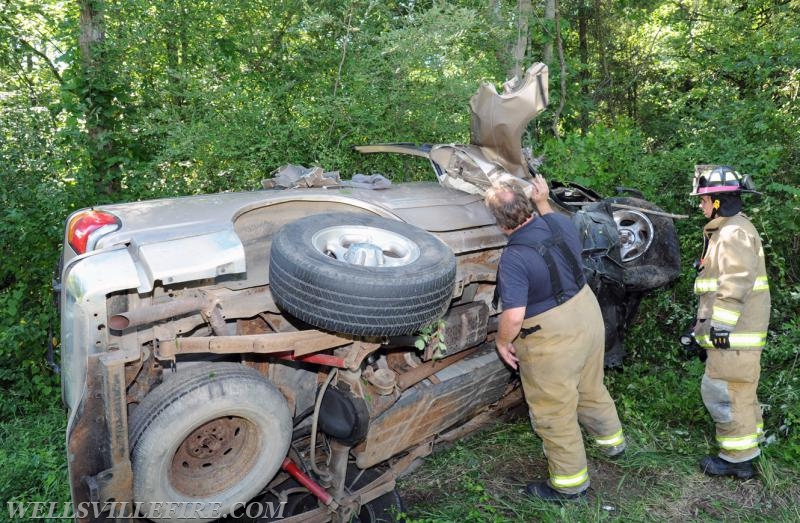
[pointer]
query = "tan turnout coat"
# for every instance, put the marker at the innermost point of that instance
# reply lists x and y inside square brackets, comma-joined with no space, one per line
[732,286]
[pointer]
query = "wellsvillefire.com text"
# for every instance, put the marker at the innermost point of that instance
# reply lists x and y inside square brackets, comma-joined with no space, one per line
[152,510]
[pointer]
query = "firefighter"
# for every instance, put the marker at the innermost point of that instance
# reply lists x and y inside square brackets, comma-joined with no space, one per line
[732,317]
[551,329]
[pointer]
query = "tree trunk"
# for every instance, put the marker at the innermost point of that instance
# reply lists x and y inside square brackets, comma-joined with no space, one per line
[583,55]
[563,74]
[549,17]
[605,84]
[92,32]
[519,52]
[97,99]
[177,51]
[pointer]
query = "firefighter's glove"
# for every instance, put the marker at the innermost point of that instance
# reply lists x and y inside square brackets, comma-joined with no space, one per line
[691,348]
[720,339]
[693,351]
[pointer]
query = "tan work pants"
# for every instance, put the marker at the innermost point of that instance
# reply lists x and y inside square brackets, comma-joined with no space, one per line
[729,393]
[561,366]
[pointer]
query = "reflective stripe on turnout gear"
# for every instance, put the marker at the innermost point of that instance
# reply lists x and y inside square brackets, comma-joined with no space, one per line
[703,285]
[761,284]
[570,481]
[726,316]
[738,443]
[755,340]
[611,441]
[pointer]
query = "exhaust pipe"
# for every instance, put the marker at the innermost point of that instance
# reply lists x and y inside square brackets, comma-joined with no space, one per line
[154,313]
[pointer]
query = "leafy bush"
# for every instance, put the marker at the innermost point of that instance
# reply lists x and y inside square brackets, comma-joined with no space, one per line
[33,209]
[602,159]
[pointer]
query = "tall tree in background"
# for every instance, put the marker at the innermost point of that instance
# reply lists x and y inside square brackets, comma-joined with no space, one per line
[519,51]
[562,76]
[549,19]
[583,58]
[98,100]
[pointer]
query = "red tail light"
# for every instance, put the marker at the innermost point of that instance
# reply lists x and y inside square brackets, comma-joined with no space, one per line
[87,227]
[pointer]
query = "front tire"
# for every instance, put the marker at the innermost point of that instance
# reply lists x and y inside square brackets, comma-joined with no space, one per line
[648,245]
[214,433]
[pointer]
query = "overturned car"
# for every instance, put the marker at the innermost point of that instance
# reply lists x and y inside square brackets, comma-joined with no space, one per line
[303,347]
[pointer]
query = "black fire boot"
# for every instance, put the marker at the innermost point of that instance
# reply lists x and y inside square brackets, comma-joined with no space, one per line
[716,466]
[542,490]
[615,453]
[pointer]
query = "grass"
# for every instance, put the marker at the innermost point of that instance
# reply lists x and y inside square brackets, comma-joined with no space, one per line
[33,464]
[480,479]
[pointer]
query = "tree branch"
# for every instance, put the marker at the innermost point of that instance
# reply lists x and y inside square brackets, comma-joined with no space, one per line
[44,57]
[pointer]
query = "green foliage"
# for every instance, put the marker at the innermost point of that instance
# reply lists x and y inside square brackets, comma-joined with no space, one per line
[34,203]
[780,389]
[432,336]
[211,96]
[32,453]
[603,158]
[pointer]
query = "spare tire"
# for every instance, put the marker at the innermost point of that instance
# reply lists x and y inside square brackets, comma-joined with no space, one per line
[649,247]
[361,274]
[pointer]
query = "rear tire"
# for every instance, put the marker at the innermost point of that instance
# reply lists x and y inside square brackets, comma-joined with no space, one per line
[381,510]
[298,500]
[213,433]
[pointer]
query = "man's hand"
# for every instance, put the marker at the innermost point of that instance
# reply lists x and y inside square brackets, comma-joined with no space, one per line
[510,323]
[540,193]
[508,354]
[720,339]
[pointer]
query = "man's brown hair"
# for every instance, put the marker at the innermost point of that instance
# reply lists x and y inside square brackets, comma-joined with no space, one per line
[509,205]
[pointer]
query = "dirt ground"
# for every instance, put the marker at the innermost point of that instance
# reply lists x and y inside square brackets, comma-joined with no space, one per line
[629,488]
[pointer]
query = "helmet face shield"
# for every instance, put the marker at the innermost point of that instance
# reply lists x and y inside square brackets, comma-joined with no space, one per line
[748,185]
[710,179]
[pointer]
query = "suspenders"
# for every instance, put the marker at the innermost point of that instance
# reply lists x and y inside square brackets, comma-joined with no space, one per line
[545,248]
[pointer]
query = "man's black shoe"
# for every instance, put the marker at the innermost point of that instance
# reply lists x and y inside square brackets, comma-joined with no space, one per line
[715,466]
[542,490]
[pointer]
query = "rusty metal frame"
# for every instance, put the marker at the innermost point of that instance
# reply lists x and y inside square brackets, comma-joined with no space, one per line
[299,343]
[101,434]
[381,485]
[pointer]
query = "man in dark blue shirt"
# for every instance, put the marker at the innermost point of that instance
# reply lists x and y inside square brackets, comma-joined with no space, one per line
[551,329]
[519,267]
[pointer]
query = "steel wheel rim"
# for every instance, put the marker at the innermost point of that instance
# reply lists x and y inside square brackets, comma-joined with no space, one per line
[214,456]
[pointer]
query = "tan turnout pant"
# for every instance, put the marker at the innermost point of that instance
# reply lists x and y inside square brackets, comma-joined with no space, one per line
[729,393]
[561,366]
